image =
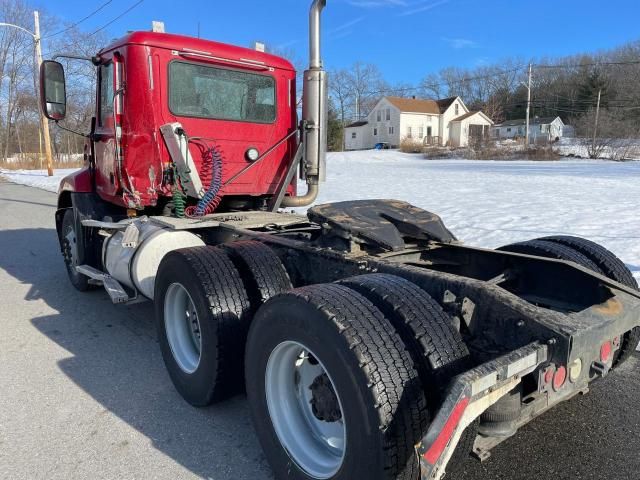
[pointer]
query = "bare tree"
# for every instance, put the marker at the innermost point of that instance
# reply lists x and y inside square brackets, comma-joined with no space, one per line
[342,95]
[367,86]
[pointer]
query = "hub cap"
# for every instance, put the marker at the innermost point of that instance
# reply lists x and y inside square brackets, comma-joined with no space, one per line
[70,249]
[182,327]
[305,410]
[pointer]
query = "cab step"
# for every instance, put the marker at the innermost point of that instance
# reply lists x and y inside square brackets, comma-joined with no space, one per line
[116,291]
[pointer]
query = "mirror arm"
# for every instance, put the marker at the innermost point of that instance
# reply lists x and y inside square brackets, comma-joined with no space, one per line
[85,135]
[94,60]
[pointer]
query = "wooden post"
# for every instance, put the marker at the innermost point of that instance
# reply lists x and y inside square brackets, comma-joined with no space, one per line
[43,120]
[595,127]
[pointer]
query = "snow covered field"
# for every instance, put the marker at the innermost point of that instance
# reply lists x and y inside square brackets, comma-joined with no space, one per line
[490,204]
[486,203]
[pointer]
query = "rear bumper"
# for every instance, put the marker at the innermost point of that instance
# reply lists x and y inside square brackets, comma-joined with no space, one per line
[473,392]
[469,396]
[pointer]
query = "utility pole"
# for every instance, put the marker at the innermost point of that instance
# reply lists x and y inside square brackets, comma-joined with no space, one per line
[528,105]
[595,127]
[43,120]
[44,123]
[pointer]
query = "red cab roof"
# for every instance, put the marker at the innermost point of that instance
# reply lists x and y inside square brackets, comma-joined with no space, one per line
[179,42]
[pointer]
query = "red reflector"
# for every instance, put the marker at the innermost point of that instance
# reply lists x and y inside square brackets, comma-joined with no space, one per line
[548,375]
[559,378]
[433,454]
[605,352]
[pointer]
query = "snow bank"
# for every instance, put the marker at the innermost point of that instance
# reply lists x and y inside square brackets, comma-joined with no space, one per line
[37,178]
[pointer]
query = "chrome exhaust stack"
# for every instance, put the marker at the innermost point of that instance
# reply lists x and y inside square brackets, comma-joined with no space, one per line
[314,114]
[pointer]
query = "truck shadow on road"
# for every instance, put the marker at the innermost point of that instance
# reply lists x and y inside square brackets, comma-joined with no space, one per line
[114,357]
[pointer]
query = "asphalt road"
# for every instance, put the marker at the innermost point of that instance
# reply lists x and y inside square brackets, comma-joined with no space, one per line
[84,393]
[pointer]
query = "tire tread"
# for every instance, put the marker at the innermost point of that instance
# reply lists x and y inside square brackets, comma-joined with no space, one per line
[390,373]
[437,348]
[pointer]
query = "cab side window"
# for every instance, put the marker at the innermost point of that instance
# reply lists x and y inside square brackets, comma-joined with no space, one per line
[106,93]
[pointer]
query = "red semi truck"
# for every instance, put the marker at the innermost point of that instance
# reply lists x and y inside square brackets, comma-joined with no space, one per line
[371,343]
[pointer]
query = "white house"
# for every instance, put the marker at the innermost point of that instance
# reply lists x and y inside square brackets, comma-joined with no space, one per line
[549,128]
[430,122]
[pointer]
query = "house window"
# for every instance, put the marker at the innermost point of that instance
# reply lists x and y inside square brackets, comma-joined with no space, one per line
[354,135]
[421,132]
[388,114]
[390,130]
[409,132]
[457,109]
[375,132]
[508,130]
[379,115]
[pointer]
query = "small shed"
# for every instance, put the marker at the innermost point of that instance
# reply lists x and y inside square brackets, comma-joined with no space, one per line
[355,136]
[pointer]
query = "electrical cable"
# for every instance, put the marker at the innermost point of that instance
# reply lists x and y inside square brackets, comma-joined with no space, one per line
[70,27]
[116,18]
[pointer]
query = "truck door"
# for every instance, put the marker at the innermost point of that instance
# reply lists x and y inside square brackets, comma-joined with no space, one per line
[106,146]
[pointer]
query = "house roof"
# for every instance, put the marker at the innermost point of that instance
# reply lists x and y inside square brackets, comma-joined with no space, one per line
[522,122]
[445,103]
[466,115]
[414,105]
[360,123]
[471,114]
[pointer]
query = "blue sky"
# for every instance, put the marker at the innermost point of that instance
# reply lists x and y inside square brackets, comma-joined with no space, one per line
[407,39]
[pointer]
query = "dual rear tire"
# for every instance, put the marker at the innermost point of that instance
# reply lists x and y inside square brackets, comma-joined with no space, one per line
[205,298]
[382,348]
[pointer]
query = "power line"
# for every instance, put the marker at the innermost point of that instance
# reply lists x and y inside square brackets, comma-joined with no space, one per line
[492,75]
[81,20]
[595,64]
[117,18]
[443,83]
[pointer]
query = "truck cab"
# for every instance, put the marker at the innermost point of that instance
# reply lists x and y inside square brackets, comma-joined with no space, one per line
[240,100]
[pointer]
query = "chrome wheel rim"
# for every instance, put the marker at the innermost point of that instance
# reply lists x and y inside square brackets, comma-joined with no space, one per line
[183,328]
[305,410]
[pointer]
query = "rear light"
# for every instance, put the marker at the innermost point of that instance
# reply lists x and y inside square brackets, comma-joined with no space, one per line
[605,352]
[559,378]
[575,370]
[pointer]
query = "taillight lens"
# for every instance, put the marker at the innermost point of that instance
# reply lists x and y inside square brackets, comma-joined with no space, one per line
[559,378]
[605,352]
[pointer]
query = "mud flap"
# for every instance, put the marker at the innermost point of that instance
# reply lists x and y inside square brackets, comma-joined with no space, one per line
[469,396]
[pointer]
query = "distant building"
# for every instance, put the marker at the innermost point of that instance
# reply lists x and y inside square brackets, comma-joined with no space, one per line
[548,128]
[430,122]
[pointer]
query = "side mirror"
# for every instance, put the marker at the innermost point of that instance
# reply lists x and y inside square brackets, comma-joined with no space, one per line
[53,94]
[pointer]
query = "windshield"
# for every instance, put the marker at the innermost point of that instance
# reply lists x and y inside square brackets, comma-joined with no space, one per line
[217,93]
